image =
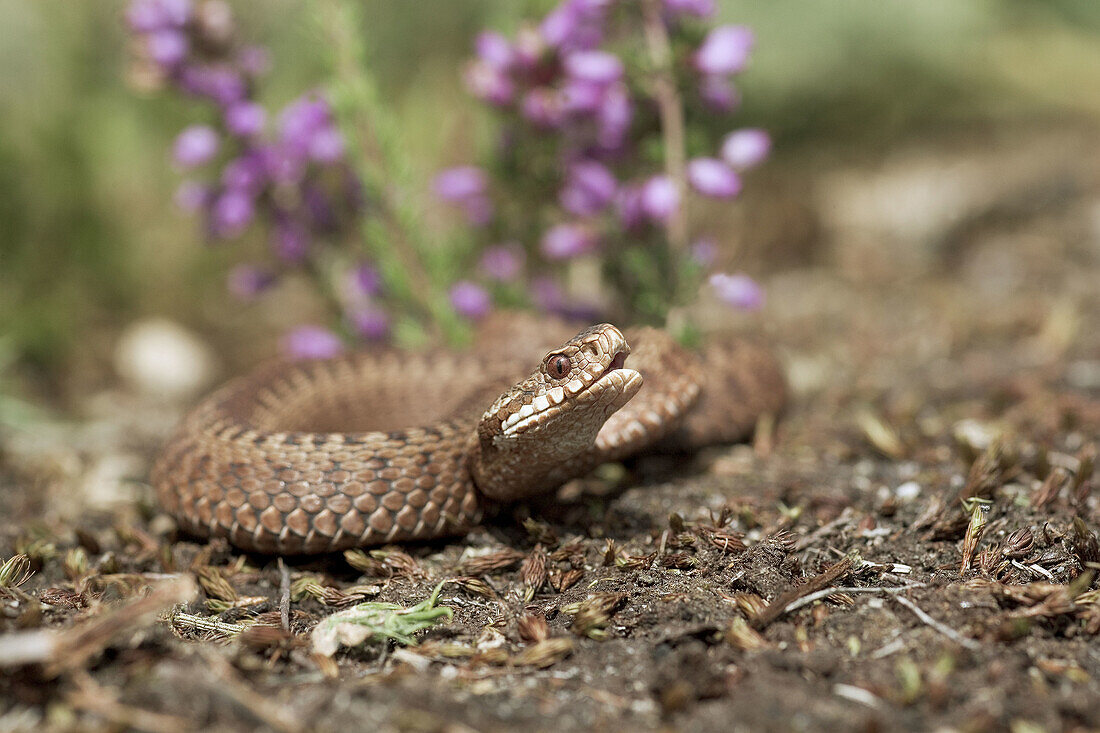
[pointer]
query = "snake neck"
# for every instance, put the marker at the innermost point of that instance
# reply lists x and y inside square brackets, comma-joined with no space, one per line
[506,469]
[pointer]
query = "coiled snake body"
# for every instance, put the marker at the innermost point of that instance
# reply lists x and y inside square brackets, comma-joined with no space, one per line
[317,456]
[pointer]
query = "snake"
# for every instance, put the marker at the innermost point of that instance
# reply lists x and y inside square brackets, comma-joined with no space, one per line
[303,457]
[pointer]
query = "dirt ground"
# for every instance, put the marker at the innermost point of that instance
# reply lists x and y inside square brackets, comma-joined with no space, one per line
[913,544]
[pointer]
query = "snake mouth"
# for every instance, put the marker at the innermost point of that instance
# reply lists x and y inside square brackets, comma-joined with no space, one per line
[613,386]
[615,375]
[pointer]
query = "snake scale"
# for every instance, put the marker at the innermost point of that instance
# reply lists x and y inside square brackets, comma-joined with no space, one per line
[316,456]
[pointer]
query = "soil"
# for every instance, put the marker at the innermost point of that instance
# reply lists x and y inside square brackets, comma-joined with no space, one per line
[913,544]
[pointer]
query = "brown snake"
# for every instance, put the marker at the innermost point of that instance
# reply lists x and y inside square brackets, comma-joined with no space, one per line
[316,456]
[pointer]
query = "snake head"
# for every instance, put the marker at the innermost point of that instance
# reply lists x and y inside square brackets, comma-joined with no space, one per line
[553,416]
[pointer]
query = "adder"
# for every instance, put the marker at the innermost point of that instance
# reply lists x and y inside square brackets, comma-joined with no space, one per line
[315,456]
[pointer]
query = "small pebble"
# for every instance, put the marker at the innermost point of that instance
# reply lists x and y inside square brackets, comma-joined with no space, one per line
[908,491]
[161,359]
[976,435]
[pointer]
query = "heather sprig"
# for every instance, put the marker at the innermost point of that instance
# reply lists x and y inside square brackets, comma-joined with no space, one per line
[604,111]
[287,175]
[415,270]
[606,114]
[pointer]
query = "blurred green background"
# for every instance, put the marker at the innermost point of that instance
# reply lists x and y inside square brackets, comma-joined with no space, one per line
[90,238]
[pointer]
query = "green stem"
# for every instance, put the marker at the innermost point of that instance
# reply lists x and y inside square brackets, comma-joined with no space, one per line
[413,274]
[671,113]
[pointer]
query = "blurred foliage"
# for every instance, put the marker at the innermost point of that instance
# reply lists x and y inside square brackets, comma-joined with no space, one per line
[15,413]
[91,238]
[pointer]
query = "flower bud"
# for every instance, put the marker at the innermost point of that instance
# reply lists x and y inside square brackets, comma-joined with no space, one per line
[312,342]
[746,148]
[470,300]
[711,177]
[725,50]
[739,291]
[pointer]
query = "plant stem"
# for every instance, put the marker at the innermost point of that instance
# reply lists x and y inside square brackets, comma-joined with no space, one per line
[403,252]
[671,113]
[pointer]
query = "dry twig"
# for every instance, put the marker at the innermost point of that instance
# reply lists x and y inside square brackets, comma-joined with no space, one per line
[778,607]
[943,628]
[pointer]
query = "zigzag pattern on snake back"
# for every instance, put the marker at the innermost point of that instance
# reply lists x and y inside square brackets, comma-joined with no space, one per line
[317,456]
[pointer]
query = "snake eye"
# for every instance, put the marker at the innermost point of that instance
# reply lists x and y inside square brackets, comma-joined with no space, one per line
[557,365]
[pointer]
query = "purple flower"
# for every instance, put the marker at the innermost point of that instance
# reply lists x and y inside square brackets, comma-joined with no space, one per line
[312,342]
[582,96]
[704,252]
[574,25]
[232,213]
[589,187]
[587,37]
[495,50]
[196,145]
[304,115]
[561,23]
[725,50]
[746,148]
[245,118]
[247,281]
[223,85]
[301,120]
[459,184]
[167,48]
[660,198]
[290,241]
[718,93]
[614,117]
[564,241]
[543,108]
[366,281]
[489,83]
[712,177]
[192,196]
[326,145]
[597,67]
[370,322]
[502,262]
[470,299]
[697,8]
[245,172]
[739,291]
[144,16]
[283,164]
